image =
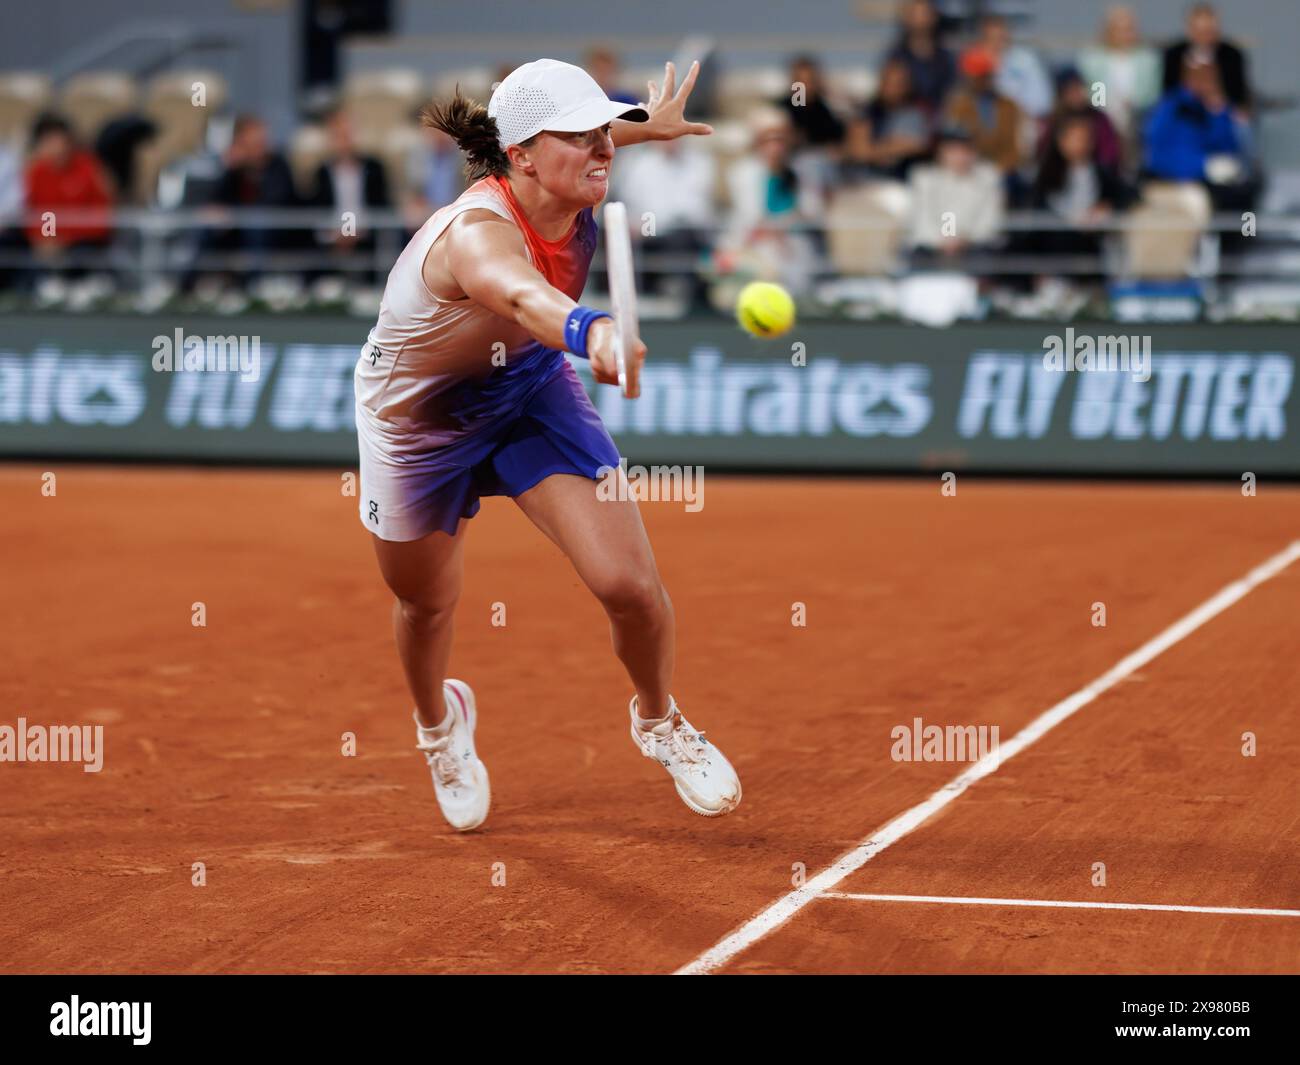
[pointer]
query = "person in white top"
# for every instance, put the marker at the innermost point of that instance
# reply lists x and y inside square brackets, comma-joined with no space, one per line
[775,203]
[463,391]
[672,184]
[957,202]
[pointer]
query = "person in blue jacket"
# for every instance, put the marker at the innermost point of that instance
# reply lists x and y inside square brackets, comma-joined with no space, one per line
[1190,124]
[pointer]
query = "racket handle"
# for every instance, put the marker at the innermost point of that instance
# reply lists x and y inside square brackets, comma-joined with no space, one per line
[620,362]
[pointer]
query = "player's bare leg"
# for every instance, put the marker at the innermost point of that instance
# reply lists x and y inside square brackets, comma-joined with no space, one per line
[607,544]
[425,576]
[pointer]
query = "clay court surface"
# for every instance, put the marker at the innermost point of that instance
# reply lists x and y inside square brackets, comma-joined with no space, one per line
[223,743]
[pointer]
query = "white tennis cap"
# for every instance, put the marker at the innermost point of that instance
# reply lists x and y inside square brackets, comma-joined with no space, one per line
[549,95]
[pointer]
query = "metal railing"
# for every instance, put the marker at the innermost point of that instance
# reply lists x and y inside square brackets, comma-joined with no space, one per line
[161,45]
[148,245]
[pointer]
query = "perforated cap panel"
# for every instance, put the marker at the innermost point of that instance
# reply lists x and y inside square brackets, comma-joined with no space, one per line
[521,111]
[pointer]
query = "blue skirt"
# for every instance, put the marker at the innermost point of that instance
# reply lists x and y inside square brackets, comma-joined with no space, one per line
[556,430]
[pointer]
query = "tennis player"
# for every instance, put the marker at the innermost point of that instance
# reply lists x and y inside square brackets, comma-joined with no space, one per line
[463,391]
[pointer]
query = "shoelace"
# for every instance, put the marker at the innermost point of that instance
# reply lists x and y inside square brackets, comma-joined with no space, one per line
[444,764]
[690,747]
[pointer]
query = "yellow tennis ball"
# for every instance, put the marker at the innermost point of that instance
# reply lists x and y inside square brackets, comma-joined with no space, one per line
[764,309]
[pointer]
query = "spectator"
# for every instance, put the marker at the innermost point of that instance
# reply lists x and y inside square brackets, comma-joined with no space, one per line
[64,177]
[1129,72]
[434,175]
[771,208]
[990,119]
[670,183]
[1020,73]
[1193,136]
[957,201]
[602,64]
[893,132]
[1075,187]
[118,146]
[815,123]
[348,183]
[1204,45]
[1074,101]
[1190,123]
[930,66]
[254,176]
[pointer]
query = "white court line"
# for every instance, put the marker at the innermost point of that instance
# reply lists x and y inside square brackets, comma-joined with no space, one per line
[786,907]
[961,900]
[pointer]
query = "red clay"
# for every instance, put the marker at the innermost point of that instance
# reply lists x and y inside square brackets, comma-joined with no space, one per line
[223,742]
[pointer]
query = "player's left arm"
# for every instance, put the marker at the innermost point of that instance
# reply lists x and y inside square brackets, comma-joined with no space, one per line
[666,108]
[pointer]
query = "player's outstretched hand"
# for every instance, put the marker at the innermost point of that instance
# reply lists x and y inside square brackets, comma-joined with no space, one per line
[604,367]
[667,108]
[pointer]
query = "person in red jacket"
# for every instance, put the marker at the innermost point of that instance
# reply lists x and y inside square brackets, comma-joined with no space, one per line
[64,179]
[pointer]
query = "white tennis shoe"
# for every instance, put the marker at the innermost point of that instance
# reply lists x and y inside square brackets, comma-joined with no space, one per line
[460,779]
[705,780]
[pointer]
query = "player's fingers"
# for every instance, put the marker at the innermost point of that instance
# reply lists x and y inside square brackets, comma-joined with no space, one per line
[688,82]
[670,79]
[702,129]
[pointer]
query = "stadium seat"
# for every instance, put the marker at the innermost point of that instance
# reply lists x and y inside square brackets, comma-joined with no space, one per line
[169,101]
[22,97]
[741,90]
[307,150]
[853,84]
[729,142]
[865,227]
[182,125]
[150,159]
[634,80]
[1162,233]
[379,100]
[90,100]
[393,149]
[474,82]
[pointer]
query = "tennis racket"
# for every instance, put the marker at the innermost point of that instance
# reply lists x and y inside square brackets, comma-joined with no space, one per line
[622,293]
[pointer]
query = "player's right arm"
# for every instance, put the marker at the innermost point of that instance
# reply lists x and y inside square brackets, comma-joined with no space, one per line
[488,261]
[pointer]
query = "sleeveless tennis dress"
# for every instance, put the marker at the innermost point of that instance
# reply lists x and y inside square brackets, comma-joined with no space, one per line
[454,402]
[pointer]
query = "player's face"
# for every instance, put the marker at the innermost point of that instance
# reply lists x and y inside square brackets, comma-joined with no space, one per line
[576,166]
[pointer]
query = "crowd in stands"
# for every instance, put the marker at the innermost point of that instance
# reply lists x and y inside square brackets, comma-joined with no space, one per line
[975,131]
[966,130]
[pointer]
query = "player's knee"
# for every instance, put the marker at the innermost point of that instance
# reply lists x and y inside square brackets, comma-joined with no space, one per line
[633,594]
[427,612]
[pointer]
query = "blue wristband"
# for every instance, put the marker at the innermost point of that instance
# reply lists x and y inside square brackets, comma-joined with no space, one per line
[576,328]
